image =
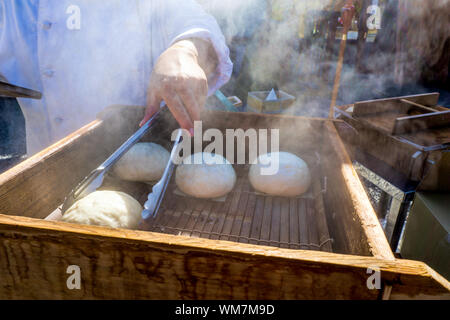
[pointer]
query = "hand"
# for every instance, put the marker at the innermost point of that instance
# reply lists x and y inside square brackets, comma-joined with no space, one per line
[181,82]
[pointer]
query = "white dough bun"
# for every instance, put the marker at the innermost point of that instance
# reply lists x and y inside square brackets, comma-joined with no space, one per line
[205,179]
[113,209]
[293,177]
[144,162]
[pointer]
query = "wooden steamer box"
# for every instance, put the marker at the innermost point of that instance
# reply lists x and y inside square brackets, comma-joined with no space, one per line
[411,134]
[257,101]
[249,246]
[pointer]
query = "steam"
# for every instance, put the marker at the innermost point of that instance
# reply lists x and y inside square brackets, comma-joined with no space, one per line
[429,22]
[308,69]
[237,18]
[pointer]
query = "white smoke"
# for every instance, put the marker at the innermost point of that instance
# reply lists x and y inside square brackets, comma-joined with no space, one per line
[275,27]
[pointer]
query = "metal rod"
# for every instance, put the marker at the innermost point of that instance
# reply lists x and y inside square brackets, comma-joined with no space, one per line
[340,62]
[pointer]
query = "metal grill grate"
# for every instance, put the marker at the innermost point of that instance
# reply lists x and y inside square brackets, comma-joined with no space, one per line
[248,217]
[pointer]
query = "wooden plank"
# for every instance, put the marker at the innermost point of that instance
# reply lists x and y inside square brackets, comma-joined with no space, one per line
[185,217]
[170,214]
[293,224]
[312,225]
[427,99]
[38,185]
[435,138]
[275,222]
[202,219]
[192,213]
[235,199]
[418,106]
[257,219]
[130,264]
[363,212]
[240,212]
[232,211]
[303,224]
[178,219]
[157,225]
[221,215]
[248,218]
[387,121]
[321,220]
[383,122]
[200,204]
[284,222]
[415,123]
[211,220]
[362,108]
[191,222]
[377,107]
[347,231]
[266,221]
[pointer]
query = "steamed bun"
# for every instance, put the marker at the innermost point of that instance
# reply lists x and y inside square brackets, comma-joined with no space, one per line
[205,180]
[105,208]
[144,162]
[292,179]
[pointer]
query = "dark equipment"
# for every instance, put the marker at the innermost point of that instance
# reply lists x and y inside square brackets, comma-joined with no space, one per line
[12,124]
[399,145]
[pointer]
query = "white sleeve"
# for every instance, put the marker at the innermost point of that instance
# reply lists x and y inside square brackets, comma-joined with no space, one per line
[187,19]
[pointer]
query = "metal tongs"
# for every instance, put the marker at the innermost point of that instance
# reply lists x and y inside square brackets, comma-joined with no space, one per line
[10,90]
[155,197]
[95,179]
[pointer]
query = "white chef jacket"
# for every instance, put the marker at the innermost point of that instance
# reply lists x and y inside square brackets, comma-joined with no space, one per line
[85,55]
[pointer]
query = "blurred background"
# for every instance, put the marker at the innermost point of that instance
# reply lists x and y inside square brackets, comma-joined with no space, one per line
[294,45]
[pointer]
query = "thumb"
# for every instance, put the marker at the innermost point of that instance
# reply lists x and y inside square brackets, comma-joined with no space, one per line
[153,103]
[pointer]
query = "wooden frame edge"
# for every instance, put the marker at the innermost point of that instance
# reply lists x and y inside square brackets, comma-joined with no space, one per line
[377,241]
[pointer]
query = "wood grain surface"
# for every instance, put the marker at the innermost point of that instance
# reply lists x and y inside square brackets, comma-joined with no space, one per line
[128,264]
[133,264]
